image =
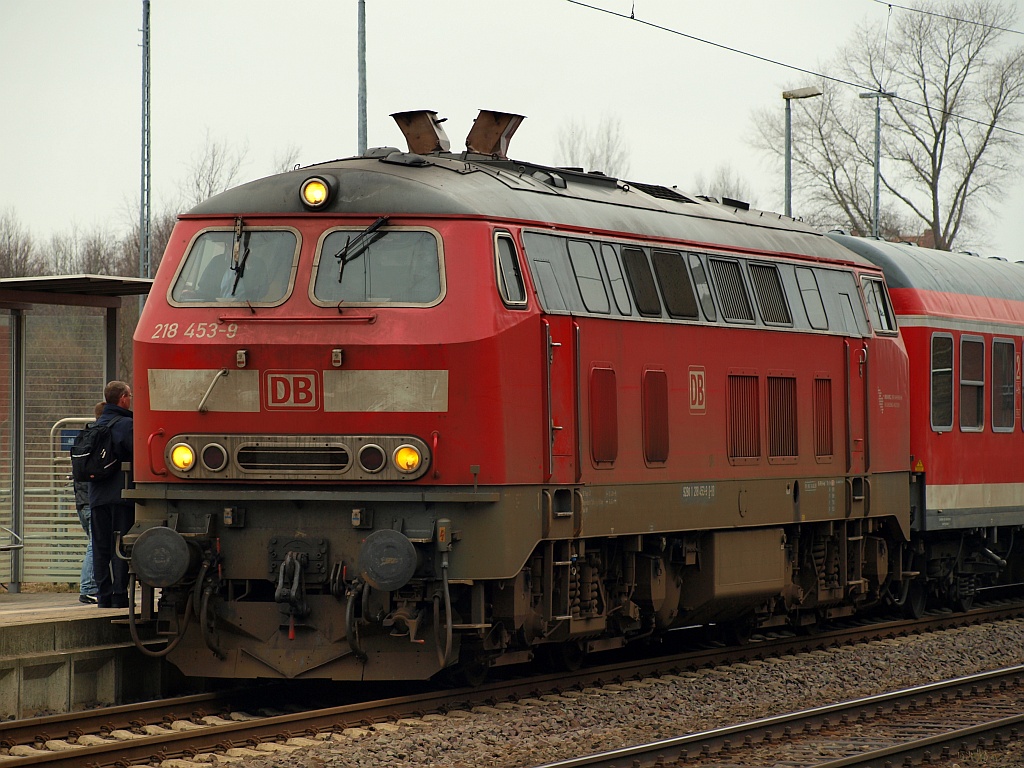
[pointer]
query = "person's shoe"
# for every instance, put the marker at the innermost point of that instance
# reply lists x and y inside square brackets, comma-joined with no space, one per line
[87,599]
[119,603]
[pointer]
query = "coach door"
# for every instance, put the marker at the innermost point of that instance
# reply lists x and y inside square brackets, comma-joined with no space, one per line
[560,345]
[856,406]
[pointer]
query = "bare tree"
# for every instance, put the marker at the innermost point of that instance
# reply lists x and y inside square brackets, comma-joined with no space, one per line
[286,159]
[18,256]
[213,169]
[725,181]
[600,147]
[947,137]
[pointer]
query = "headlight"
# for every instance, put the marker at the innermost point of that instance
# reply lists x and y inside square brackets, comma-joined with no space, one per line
[315,192]
[407,458]
[183,457]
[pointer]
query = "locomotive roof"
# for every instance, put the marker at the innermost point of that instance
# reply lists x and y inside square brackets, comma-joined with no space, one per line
[927,269]
[386,181]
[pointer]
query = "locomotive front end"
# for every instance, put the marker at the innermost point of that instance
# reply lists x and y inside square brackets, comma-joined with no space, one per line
[298,379]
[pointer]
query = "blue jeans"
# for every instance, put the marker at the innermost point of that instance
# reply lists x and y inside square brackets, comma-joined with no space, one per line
[87,580]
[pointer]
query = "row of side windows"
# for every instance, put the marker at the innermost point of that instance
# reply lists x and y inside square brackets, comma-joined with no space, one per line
[600,278]
[970,394]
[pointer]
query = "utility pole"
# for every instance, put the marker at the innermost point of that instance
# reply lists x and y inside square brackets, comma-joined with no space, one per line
[877,96]
[362,76]
[144,197]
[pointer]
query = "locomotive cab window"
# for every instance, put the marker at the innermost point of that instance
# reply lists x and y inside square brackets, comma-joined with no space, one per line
[236,266]
[378,266]
[879,310]
[510,278]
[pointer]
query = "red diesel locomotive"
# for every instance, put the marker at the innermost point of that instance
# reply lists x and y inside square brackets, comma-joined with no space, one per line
[421,410]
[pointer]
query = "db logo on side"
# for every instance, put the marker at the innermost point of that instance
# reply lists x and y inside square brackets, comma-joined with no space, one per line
[698,392]
[291,390]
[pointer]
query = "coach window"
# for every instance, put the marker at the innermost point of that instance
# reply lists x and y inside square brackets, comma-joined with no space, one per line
[700,281]
[510,278]
[810,294]
[1002,385]
[253,267]
[619,292]
[972,383]
[638,272]
[674,279]
[879,310]
[942,382]
[732,292]
[771,298]
[588,276]
[385,266]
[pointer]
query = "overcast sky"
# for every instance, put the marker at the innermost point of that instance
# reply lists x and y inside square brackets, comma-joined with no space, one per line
[269,77]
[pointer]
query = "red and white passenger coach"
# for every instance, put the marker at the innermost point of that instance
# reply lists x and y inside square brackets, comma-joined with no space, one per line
[424,409]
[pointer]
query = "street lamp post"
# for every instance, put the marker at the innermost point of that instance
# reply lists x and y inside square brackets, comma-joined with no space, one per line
[799,93]
[877,96]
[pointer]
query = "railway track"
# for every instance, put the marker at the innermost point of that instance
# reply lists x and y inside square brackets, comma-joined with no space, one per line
[258,722]
[906,727]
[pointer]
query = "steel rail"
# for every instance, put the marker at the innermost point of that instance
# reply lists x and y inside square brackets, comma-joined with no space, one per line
[722,740]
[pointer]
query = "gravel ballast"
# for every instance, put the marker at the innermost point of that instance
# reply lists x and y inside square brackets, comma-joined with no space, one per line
[536,731]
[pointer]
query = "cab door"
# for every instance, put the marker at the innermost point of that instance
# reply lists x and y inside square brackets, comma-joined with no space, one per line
[560,344]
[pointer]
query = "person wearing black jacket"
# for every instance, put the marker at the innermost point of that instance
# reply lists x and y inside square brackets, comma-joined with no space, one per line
[110,513]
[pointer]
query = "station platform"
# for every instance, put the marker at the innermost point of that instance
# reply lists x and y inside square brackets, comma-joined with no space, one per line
[60,655]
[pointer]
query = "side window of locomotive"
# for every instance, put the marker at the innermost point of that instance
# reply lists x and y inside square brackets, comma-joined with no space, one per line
[732,292]
[771,299]
[638,272]
[1002,385]
[258,271]
[942,382]
[619,291]
[879,311]
[510,279]
[674,279]
[387,266]
[972,383]
[588,276]
[700,280]
[811,297]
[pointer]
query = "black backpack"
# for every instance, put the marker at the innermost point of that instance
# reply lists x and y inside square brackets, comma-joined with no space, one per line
[93,456]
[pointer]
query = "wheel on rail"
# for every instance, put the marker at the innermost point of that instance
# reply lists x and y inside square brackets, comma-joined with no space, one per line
[561,657]
[917,599]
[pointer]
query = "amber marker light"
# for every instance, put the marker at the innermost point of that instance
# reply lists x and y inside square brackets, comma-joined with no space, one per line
[315,192]
[183,457]
[407,458]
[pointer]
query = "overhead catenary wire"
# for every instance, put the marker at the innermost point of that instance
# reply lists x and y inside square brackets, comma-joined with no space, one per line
[831,78]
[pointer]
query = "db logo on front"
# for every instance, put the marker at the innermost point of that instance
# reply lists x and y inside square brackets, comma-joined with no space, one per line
[290,390]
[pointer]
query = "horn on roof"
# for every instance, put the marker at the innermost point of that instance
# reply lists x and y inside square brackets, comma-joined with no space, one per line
[492,131]
[422,130]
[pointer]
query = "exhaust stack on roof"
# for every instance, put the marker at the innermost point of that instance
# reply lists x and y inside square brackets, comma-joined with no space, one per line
[423,131]
[491,132]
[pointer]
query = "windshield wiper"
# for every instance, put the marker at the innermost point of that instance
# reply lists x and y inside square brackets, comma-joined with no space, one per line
[238,262]
[362,241]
